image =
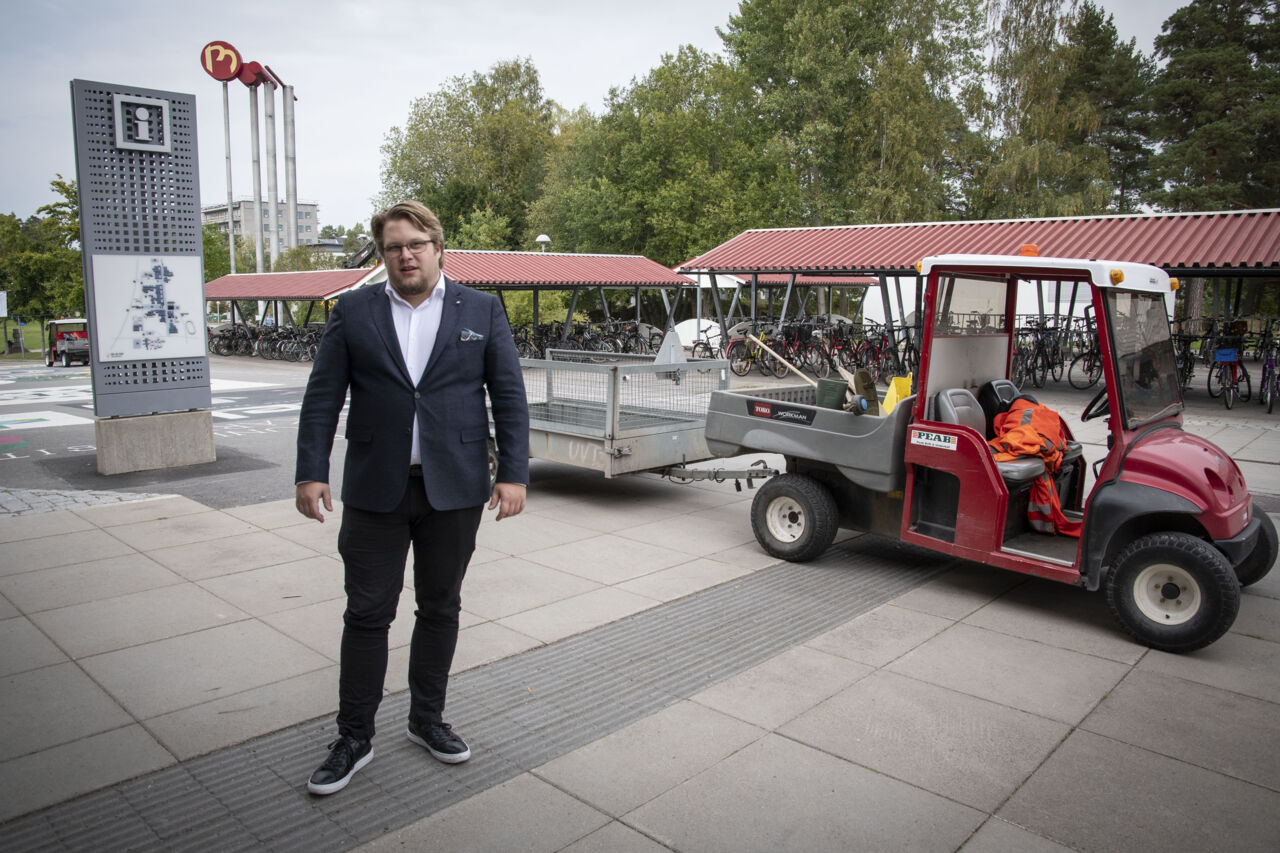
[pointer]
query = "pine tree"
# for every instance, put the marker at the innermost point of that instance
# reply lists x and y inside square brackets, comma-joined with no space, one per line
[1217,106]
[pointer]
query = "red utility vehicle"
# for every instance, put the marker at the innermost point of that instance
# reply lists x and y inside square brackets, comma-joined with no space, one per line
[1170,531]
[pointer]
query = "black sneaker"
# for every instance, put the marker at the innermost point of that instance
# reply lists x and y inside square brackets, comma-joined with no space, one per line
[346,756]
[441,741]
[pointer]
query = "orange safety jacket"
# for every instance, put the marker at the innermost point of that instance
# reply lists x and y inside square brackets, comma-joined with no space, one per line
[1031,429]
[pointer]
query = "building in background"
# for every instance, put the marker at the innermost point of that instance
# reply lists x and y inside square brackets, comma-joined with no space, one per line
[245,218]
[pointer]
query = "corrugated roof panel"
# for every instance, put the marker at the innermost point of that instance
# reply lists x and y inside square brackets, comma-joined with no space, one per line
[1231,240]
[483,269]
[315,284]
[496,269]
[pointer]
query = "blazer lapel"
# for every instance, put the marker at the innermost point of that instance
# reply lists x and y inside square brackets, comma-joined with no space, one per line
[386,327]
[450,323]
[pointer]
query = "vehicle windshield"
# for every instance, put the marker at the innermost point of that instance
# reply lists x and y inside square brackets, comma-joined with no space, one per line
[1145,361]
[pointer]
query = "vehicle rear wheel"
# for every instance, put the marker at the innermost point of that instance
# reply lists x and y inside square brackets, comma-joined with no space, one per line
[794,517]
[1255,566]
[66,360]
[1173,592]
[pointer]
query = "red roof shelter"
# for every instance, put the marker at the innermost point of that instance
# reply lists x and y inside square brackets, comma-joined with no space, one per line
[487,270]
[1230,243]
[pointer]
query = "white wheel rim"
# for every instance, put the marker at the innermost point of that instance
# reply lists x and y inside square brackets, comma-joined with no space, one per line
[785,519]
[1154,593]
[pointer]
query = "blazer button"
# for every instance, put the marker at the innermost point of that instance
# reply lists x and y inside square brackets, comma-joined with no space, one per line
[417,395]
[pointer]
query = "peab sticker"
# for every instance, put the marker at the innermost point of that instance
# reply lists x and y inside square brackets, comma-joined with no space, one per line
[939,440]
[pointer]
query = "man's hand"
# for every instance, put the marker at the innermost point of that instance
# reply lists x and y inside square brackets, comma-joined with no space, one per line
[309,497]
[509,497]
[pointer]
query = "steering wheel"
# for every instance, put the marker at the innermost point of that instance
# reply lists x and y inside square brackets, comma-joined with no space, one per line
[1093,410]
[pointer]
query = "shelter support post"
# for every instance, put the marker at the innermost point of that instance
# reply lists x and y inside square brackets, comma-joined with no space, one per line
[715,301]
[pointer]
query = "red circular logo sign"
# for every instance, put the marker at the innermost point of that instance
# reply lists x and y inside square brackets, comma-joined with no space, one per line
[220,60]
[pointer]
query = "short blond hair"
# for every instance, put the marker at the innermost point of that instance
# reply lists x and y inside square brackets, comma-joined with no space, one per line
[417,214]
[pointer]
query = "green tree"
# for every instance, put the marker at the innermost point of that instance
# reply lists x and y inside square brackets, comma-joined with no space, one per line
[40,263]
[483,229]
[677,163]
[1037,164]
[217,256]
[1115,79]
[866,98]
[1217,103]
[478,142]
[304,258]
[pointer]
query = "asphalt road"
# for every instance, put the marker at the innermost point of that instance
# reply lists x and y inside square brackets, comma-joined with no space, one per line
[47,431]
[47,434]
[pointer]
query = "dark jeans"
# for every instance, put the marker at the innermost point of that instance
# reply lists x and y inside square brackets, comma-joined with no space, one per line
[374,547]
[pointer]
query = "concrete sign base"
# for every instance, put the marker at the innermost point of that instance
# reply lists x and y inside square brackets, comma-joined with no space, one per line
[147,442]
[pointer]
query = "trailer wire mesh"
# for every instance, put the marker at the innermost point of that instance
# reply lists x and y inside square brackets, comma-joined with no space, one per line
[615,394]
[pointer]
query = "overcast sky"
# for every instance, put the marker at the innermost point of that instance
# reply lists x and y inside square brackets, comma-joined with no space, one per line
[355,67]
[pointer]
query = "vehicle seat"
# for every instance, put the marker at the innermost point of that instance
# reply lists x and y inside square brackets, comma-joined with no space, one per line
[959,406]
[996,396]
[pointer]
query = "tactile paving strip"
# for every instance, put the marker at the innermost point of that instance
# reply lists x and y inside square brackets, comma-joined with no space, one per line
[516,714]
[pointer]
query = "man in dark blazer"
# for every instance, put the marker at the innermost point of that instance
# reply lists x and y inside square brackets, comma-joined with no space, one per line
[417,356]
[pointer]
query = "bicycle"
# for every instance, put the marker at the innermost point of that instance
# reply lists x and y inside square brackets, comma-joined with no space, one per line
[1229,373]
[1086,367]
[1269,381]
[743,353]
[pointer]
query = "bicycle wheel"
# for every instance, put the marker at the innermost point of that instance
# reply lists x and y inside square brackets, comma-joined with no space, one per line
[1085,370]
[1244,387]
[1214,381]
[1039,368]
[1229,388]
[1056,363]
[739,359]
[1273,390]
[1018,373]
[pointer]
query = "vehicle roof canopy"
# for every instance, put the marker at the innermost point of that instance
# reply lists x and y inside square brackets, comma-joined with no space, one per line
[1132,276]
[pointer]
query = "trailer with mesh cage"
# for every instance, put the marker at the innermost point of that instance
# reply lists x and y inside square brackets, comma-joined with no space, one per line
[621,413]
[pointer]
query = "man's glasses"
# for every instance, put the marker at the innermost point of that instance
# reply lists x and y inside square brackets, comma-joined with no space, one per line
[415,246]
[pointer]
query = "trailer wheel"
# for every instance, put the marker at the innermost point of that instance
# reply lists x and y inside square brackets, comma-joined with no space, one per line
[1173,592]
[1255,566]
[794,517]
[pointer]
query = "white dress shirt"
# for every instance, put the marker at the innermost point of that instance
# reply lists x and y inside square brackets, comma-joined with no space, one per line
[416,329]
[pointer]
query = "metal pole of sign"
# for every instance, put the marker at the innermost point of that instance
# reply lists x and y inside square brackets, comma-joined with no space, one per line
[257,176]
[273,194]
[226,137]
[290,170]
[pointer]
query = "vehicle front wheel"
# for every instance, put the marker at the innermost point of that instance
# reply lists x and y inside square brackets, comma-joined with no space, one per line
[794,517]
[1255,566]
[1173,592]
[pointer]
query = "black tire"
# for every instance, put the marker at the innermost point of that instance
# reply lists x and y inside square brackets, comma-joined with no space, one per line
[1255,566]
[1085,370]
[794,517]
[1173,592]
[739,362]
[1018,372]
[66,360]
[1244,385]
[48,360]
[1039,368]
[1272,393]
[1214,382]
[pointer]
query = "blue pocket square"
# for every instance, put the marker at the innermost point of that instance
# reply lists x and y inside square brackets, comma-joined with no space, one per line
[468,335]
